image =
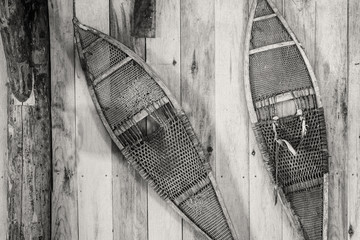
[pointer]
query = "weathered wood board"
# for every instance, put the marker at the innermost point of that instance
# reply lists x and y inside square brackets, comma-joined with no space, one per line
[231,151]
[144,19]
[64,164]
[263,211]
[331,68]
[3,144]
[93,144]
[353,165]
[163,54]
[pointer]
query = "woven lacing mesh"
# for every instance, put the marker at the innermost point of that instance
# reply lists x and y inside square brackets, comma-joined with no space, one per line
[100,56]
[86,38]
[204,207]
[277,71]
[267,32]
[308,205]
[263,9]
[166,157]
[169,159]
[311,159]
[301,174]
[126,92]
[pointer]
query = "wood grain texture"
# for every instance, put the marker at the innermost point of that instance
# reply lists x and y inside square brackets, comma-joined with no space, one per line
[3,144]
[130,191]
[130,216]
[232,159]
[14,171]
[198,76]
[163,52]
[163,55]
[36,195]
[144,19]
[36,190]
[353,167]
[18,26]
[331,69]
[26,45]
[65,182]
[164,223]
[93,144]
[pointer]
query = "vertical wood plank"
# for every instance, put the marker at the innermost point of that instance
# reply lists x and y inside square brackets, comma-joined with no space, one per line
[198,76]
[14,170]
[65,183]
[36,192]
[3,144]
[265,217]
[300,15]
[331,69]
[163,54]
[353,168]
[93,144]
[130,200]
[198,70]
[232,132]
[164,223]
[130,217]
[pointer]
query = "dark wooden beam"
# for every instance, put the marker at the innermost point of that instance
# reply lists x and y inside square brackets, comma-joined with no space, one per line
[25,35]
[144,19]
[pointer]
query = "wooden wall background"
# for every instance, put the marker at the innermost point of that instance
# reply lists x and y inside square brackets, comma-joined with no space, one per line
[198,53]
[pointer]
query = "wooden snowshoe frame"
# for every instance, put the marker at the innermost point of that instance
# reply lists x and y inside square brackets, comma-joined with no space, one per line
[278,76]
[126,91]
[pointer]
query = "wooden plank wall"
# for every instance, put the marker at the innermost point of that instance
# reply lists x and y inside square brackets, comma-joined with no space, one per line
[198,53]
